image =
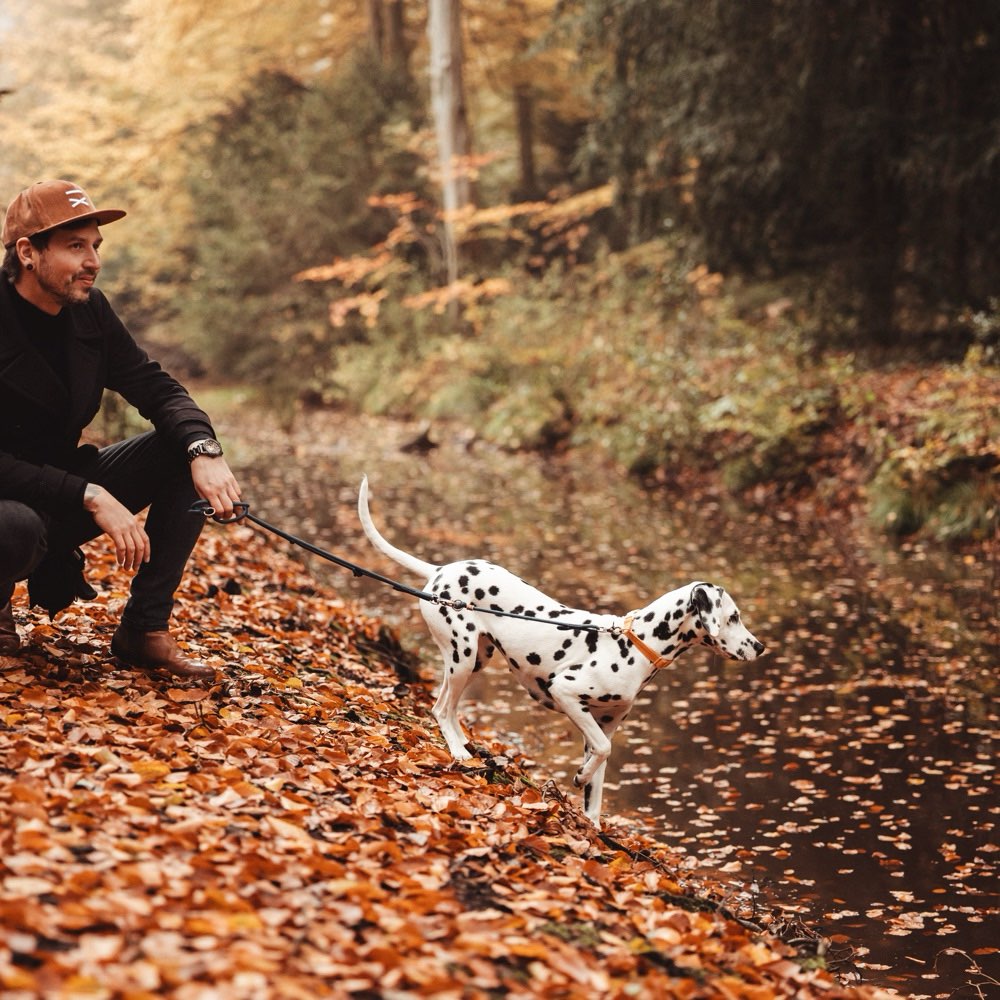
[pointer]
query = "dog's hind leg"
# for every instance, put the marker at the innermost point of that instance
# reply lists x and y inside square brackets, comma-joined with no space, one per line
[445,708]
[460,660]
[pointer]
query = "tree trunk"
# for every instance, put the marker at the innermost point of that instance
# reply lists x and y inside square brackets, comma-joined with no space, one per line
[524,105]
[450,119]
[386,33]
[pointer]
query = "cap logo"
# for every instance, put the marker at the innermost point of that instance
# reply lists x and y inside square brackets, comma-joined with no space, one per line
[80,199]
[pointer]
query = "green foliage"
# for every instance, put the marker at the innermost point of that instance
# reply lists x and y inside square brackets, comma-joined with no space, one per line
[281,181]
[672,371]
[943,479]
[853,139]
[947,504]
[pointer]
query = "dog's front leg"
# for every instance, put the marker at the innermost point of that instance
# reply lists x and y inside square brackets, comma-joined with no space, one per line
[593,795]
[599,747]
[596,743]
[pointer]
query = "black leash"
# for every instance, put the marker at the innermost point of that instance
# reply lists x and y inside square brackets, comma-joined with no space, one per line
[241,512]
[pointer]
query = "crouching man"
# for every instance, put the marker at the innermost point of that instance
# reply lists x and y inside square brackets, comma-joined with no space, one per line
[61,346]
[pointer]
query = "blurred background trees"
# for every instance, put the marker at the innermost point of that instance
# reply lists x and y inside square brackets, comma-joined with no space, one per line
[682,231]
[854,143]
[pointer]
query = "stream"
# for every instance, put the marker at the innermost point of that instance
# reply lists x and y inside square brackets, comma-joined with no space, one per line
[848,778]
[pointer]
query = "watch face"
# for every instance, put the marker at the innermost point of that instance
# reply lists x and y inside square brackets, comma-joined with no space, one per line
[206,448]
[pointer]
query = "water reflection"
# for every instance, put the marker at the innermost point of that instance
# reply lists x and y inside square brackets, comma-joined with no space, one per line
[845,772]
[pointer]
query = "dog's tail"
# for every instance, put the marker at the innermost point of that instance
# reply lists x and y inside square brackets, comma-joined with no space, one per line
[411,563]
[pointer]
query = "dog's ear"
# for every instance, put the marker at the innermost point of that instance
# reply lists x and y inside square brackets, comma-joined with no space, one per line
[703,604]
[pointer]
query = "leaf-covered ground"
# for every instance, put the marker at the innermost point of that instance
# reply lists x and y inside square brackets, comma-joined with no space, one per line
[298,829]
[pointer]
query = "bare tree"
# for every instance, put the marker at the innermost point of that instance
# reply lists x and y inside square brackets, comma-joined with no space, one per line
[450,117]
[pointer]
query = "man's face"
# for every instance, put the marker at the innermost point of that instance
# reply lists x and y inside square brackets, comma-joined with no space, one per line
[67,268]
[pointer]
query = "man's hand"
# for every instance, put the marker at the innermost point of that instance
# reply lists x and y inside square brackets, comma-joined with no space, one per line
[119,524]
[215,483]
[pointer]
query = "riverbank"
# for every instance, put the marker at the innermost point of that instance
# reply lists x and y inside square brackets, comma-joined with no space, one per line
[298,829]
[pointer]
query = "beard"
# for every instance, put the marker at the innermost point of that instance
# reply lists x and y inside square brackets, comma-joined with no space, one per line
[67,291]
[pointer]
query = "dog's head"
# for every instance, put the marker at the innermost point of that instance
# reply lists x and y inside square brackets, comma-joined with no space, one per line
[717,617]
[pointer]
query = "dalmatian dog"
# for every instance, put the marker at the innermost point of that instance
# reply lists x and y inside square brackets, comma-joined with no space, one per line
[589,667]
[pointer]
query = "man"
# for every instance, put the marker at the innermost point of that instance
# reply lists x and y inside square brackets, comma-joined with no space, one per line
[61,345]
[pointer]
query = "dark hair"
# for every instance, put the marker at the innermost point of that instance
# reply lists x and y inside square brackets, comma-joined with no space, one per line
[11,264]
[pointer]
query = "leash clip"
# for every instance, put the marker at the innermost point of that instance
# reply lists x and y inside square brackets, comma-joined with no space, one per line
[203,507]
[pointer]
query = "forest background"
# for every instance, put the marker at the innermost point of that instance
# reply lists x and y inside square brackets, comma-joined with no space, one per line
[723,237]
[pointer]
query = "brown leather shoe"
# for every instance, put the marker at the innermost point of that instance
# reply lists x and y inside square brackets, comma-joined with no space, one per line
[156,651]
[10,641]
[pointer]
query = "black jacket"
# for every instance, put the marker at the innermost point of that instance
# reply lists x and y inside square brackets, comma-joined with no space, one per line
[41,420]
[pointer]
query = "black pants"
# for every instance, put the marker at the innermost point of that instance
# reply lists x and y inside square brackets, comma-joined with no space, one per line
[140,472]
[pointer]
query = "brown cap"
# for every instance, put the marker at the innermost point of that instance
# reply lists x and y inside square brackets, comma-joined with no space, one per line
[48,205]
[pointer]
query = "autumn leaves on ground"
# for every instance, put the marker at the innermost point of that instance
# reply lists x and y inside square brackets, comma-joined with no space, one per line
[298,829]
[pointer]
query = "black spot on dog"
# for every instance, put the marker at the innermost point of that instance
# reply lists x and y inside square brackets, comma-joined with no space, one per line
[559,654]
[534,659]
[663,631]
[591,642]
[480,594]
[494,590]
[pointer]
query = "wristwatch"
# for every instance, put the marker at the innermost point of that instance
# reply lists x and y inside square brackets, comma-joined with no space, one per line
[207,446]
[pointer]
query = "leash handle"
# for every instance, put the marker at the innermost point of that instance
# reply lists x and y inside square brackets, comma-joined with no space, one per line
[203,507]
